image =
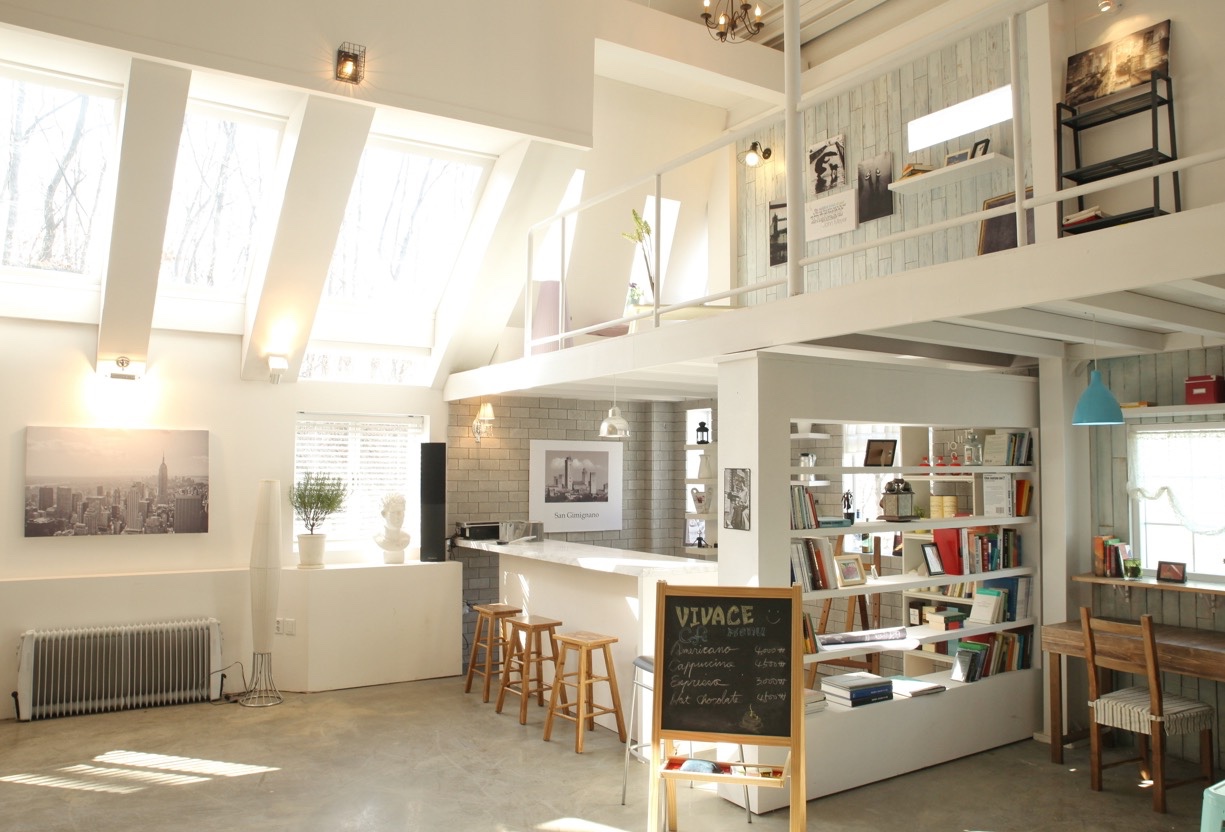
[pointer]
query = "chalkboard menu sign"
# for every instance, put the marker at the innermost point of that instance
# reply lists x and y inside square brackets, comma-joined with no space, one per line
[724,661]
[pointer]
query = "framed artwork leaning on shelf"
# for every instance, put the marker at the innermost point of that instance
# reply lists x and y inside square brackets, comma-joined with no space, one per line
[1000,233]
[849,569]
[931,555]
[880,452]
[1172,571]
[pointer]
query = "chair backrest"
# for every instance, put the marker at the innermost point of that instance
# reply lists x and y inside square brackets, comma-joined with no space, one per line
[1118,645]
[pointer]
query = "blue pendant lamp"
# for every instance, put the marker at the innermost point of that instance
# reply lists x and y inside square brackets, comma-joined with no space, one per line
[1097,405]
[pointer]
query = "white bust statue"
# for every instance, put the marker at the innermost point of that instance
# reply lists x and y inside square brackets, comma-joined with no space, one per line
[393,540]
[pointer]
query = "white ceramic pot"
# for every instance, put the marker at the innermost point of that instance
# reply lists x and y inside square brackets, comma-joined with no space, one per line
[310,551]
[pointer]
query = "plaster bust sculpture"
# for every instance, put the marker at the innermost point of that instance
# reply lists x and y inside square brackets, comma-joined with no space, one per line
[393,540]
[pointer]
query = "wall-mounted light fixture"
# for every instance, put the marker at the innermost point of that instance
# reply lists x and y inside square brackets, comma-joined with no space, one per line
[351,63]
[278,365]
[754,156]
[730,24]
[1108,6]
[121,367]
[482,425]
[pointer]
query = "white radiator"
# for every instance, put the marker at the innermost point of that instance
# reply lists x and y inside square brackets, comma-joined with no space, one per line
[95,669]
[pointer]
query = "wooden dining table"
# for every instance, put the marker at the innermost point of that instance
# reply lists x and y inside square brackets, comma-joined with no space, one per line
[1186,650]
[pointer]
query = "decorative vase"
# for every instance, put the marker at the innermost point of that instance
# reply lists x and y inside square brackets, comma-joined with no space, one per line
[310,551]
[705,472]
[699,500]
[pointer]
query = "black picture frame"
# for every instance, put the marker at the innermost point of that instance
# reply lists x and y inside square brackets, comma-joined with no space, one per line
[980,148]
[955,157]
[879,453]
[931,554]
[1172,571]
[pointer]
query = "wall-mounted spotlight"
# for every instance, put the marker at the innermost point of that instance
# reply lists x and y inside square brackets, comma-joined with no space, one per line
[121,368]
[482,425]
[755,155]
[351,63]
[278,365]
[1108,6]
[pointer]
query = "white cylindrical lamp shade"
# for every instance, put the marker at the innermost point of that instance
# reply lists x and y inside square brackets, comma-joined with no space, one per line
[265,565]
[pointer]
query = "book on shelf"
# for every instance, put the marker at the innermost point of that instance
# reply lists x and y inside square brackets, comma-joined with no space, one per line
[963,663]
[988,607]
[866,698]
[800,572]
[1087,215]
[814,700]
[914,612]
[861,636]
[833,522]
[995,449]
[854,680]
[948,545]
[913,169]
[909,686]
[1024,493]
[820,555]
[1008,448]
[1018,592]
[950,619]
[1138,404]
[998,497]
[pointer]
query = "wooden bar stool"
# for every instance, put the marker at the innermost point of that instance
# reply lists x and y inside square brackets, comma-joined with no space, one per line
[583,680]
[491,635]
[525,634]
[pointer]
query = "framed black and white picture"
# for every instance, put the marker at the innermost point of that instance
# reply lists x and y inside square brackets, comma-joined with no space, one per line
[875,198]
[1119,65]
[826,165]
[737,499]
[575,486]
[778,233]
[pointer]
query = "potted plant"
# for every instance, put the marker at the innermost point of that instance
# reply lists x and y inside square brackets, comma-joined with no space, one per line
[641,235]
[314,498]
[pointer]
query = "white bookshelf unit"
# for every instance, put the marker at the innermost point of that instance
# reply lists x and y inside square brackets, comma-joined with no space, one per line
[708,486]
[845,746]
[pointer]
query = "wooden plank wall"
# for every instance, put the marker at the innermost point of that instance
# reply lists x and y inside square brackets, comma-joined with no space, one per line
[1157,378]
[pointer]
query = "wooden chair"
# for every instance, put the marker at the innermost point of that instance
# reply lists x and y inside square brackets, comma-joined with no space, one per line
[1146,711]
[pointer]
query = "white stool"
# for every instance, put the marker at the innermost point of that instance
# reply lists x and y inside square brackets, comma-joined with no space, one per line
[1213,816]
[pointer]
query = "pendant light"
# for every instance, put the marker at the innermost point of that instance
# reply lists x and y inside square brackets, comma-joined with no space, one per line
[1097,405]
[615,426]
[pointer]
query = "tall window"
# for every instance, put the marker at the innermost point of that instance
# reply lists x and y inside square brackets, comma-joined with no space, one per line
[59,143]
[375,456]
[226,161]
[1176,479]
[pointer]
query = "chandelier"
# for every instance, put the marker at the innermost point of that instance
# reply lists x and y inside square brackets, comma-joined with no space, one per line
[729,25]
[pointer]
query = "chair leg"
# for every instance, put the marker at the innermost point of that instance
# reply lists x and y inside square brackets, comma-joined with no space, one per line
[1146,757]
[582,721]
[476,642]
[1095,753]
[559,669]
[611,671]
[1158,766]
[1206,755]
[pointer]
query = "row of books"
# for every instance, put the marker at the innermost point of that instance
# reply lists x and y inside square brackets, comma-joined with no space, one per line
[1108,556]
[804,514]
[1008,448]
[812,564]
[976,549]
[1006,496]
[991,654]
[1085,216]
[1016,594]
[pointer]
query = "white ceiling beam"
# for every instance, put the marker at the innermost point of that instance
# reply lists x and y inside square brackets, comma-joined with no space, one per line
[1211,287]
[1145,311]
[155,100]
[323,146]
[978,338]
[1066,328]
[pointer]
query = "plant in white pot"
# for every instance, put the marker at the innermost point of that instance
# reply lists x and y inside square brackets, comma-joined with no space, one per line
[314,498]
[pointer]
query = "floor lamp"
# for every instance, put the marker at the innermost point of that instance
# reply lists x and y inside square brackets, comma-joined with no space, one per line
[265,588]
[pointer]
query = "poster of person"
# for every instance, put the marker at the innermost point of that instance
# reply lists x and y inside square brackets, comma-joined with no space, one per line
[875,198]
[778,233]
[1119,65]
[737,499]
[86,482]
[575,486]
[826,165]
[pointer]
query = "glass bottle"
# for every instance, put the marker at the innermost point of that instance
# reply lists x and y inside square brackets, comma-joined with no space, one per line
[973,450]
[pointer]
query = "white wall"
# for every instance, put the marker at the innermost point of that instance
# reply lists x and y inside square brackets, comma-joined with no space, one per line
[192,383]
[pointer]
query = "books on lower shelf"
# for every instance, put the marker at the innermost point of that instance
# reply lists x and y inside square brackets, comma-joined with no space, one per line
[814,701]
[991,653]
[977,549]
[811,567]
[855,689]
[1008,448]
[989,606]
[907,686]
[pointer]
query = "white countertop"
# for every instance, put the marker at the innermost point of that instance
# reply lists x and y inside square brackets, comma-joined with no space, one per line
[596,558]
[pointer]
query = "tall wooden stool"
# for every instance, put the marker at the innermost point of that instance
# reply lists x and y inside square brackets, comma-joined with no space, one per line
[526,653]
[583,680]
[491,635]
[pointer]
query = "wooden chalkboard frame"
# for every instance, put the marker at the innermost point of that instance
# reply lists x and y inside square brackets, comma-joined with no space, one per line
[704,618]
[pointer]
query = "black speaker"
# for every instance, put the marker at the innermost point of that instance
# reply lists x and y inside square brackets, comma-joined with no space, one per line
[433,501]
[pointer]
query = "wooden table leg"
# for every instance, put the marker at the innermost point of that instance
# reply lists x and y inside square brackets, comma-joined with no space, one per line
[1055,694]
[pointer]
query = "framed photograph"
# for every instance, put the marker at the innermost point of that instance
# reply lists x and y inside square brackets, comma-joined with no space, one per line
[778,233]
[955,157]
[980,148]
[575,486]
[1173,571]
[849,569]
[874,176]
[826,165]
[880,452]
[737,499]
[1000,233]
[931,554]
[1118,65]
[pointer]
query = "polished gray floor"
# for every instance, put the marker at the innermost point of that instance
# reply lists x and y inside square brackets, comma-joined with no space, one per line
[425,756]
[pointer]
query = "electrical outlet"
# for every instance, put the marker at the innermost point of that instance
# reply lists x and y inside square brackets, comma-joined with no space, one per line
[280,626]
[291,626]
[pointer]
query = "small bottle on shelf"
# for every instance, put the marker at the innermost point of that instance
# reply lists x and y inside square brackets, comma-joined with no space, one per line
[973,449]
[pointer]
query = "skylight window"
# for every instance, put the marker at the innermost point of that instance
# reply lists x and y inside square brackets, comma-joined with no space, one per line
[226,161]
[60,142]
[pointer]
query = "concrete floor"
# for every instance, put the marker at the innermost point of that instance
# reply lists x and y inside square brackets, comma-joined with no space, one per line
[425,756]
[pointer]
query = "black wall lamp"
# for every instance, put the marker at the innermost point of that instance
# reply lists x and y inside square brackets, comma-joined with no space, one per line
[755,155]
[351,63]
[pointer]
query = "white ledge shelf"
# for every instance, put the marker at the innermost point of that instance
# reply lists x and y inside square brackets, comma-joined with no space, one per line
[1171,411]
[951,174]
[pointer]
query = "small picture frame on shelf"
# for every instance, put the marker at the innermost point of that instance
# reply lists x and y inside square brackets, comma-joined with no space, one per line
[849,569]
[1172,571]
[956,156]
[980,148]
[879,453]
[931,556]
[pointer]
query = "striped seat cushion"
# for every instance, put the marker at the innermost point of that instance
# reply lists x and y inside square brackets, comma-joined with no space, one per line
[1129,709]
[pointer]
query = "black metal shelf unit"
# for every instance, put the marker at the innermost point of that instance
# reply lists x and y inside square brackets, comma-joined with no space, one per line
[1077,120]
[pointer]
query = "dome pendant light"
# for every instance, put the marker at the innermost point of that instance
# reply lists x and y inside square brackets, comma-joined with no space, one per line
[615,426]
[1097,405]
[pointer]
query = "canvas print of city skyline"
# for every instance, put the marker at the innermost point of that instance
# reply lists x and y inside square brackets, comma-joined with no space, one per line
[84,482]
[574,485]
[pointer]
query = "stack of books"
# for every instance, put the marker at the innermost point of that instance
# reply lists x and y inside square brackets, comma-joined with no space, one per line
[947,619]
[855,689]
[912,169]
[814,700]
[1081,217]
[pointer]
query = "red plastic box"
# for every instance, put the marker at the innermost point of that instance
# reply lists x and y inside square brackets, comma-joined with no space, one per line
[1205,389]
